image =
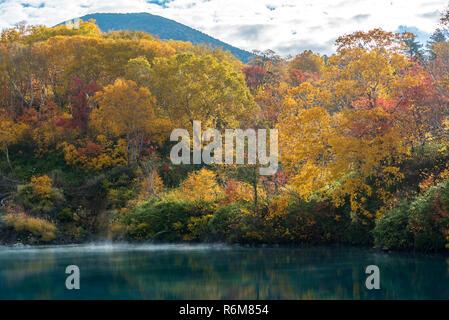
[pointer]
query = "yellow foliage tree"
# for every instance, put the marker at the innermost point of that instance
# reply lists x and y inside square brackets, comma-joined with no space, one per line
[42,186]
[200,185]
[125,110]
[190,87]
[340,135]
[10,133]
[307,61]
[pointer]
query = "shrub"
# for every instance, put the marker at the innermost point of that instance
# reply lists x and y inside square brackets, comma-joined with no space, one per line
[428,220]
[117,231]
[43,230]
[225,223]
[65,215]
[421,224]
[306,222]
[75,233]
[41,186]
[237,191]
[118,198]
[391,231]
[198,228]
[39,197]
[120,186]
[358,232]
[201,207]
[164,219]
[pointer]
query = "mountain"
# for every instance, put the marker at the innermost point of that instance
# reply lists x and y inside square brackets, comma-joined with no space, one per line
[162,27]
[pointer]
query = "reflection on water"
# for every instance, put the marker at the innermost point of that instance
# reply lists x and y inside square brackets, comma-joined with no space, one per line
[122,271]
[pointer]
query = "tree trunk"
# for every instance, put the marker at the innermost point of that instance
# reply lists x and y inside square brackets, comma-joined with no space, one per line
[255,189]
[135,151]
[128,151]
[255,197]
[7,155]
[276,184]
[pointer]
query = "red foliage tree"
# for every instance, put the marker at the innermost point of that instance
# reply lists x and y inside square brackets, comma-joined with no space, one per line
[254,76]
[92,150]
[79,99]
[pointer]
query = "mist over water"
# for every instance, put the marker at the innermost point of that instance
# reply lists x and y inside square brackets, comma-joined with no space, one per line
[215,271]
[105,247]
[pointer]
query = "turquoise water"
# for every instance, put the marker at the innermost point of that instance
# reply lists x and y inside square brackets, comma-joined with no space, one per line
[157,271]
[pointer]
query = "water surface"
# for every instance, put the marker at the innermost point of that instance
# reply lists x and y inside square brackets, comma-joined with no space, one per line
[156,271]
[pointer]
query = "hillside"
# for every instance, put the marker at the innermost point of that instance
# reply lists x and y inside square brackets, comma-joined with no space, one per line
[162,27]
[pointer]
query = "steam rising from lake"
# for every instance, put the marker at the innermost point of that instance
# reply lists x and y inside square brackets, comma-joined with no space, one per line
[110,247]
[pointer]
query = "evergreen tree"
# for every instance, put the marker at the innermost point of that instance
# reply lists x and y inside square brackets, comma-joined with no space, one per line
[414,49]
[438,36]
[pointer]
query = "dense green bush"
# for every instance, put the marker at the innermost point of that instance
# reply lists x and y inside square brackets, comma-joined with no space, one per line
[37,204]
[75,233]
[307,222]
[65,215]
[310,223]
[391,230]
[226,222]
[165,220]
[421,224]
[190,221]
[173,175]
[120,186]
[429,219]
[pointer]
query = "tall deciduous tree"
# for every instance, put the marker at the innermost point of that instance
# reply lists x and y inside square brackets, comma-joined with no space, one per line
[10,133]
[343,135]
[79,99]
[126,110]
[203,88]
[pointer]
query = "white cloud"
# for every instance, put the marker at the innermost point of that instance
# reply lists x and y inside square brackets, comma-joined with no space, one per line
[286,26]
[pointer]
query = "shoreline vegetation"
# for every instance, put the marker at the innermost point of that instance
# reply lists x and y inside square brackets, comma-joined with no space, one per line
[85,122]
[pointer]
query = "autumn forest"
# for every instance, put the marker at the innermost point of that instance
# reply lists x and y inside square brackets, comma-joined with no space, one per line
[85,127]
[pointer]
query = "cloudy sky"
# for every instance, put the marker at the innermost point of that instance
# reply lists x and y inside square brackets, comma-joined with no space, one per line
[286,26]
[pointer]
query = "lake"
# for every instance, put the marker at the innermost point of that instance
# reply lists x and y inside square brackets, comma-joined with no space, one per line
[178,271]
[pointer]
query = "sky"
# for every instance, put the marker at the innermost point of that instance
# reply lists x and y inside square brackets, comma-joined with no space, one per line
[285,26]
